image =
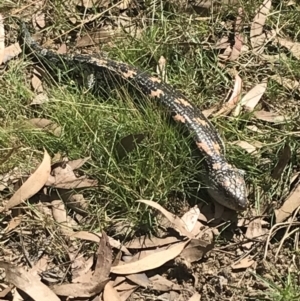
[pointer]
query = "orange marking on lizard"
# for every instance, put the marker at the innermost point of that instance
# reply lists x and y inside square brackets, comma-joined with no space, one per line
[217,148]
[217,166]
[200,121]
[183,102]
[204,147]
[155,79]
[99,62]
[179,118]
[129,74]
[157,93]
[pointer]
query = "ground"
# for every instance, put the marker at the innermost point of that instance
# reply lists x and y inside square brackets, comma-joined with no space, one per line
[110,151]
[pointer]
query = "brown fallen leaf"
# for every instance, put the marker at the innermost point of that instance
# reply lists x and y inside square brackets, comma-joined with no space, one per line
[13,223]
[64,177]
[96,238]
[195,250]
[271,117]
[62,49]
[159,283]
[39,99]
[9,52]
[255,229]
[249,148]
[161,69]
[222,43]
[195,297]
[2,33]
[286,82]
[289,206]
[190,218]
[47,125]
[150,262]
[76,164]
[234,98]
[38,20]
[251,99]
[257,37]
[140,279]
[99,279]
[110,294]
[60,216]
[89,3]
[293,47]
[34,183]
[243,263]
[175,221]
[27,282]
[237,47]
[144,242]
[124,295]
[36,84]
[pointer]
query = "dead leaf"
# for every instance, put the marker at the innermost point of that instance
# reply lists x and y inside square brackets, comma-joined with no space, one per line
[124,295]
[195,297]
[195,250]
[255,229]
[161,69]
[289,206]
[96,238]
[271,117]
[140,279]
[64,177]
[287,83]
[237,47]
[60,216]
[144,242]
[39,99]
[104,259]
[257,37]
[39,19]
[293,47]
[76,164]
[159,283]
[13,223]
[150,262]
[175,221]
[10,52]
[222,43]
[99,278]
[36,84]
[81,267]
[243,263]
[234,98]
[47,125]
[123,4]
[89,3]
[251,99]
[2,33]
[190,218]
[62,49]
[110,294]
[28,283]
[34,183]
[249,148]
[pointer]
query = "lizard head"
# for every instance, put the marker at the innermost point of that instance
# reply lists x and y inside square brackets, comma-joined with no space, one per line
[227,186]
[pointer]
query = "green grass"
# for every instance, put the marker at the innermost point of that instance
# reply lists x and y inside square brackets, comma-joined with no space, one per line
[163,165]
[279,288]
